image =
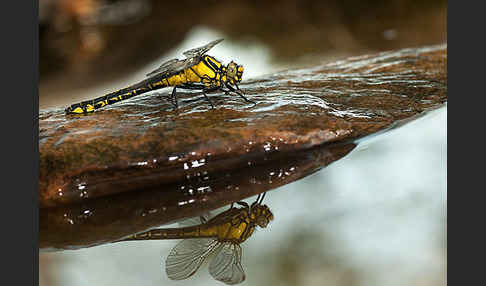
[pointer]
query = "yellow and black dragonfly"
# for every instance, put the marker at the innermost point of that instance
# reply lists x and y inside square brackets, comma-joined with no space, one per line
[197,71]
[220,235]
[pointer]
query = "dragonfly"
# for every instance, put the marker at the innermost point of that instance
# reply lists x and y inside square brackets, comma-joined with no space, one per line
[220,236]
[198,71]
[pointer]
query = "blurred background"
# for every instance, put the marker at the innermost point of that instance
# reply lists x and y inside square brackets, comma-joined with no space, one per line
[92,43]
[376,217]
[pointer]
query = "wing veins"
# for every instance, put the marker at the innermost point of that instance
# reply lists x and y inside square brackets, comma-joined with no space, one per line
[175,66]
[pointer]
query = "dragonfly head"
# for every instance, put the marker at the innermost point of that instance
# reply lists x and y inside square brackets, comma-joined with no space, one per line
[234,72]
[262,215]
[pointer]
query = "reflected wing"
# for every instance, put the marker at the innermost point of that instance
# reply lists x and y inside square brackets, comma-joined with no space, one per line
[187,256]
[174,66]
[226,265]
[197,52]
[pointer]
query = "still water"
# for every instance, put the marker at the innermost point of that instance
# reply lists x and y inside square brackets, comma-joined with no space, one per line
[375,217]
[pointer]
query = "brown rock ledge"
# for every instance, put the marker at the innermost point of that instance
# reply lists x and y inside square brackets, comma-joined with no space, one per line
[139,164]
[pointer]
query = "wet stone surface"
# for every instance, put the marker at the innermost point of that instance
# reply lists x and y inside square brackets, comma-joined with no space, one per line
[139,164]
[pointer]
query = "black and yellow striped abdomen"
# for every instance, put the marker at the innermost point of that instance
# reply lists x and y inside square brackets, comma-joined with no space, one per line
[207,72]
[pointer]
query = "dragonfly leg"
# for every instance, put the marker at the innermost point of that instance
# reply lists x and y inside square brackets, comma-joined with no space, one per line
[243,204]
[174,97]
[261,199]
[255,202]
[199,87]
[207,98]
[203,219]
[226,92]
[239,92]
[258,200]
[209,89]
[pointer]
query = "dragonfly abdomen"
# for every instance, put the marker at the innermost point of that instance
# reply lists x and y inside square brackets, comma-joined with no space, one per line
[197,231]
[117,96]
[201,72]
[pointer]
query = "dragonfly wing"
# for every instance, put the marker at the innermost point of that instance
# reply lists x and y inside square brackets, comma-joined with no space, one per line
[197,52]
[174,66]
[226,265]
[169,68]
[187,256]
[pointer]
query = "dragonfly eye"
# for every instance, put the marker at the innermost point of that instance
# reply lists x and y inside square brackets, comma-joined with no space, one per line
[262,221]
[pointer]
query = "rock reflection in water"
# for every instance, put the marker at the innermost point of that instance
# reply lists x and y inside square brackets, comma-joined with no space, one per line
[376,217]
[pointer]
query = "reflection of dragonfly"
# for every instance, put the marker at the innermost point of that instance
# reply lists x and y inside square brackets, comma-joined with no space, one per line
[220,235]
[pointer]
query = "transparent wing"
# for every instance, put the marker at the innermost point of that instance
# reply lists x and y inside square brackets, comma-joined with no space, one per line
[169,68]
[187,256]
[226,265]
[197,52]
[174,66]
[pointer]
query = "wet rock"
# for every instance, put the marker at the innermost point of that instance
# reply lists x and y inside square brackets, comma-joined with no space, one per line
[139,164]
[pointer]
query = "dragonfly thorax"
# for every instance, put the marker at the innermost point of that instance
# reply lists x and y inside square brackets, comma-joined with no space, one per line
[242,226]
